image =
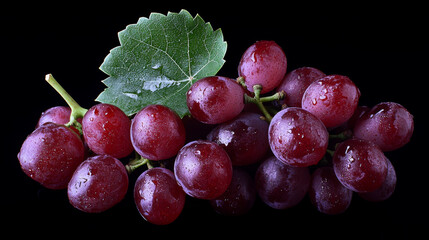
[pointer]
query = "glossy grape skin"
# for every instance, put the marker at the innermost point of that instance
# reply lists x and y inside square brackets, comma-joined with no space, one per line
[240,196]
[387,124]
[263,63]
[203,169]
[99,183]
[158,197]
[244,138]
[360,165]
[106,130]
[214,100]
[281,186]
[296,82]
[327,194]
[59,115]
[386,190]
[157,132]
[333,99]
[50,155]
[297,137]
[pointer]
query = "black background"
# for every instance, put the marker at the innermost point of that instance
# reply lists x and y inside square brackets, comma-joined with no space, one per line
[383,50]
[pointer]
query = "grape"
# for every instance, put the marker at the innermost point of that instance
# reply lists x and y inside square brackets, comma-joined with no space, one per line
[333,99]
[240,196]
[99,183]
[59,115]
[387,124]
[296,82]
[360,165]
[50,154]
[386,190]
[327,194]
[263,63]
[203,169]
[158,197]
[281,186]
[297,137]
[214,100]
[106,130]
[243,138]
[157,132]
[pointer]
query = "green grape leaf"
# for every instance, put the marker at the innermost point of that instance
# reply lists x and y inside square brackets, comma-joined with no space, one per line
[158,59]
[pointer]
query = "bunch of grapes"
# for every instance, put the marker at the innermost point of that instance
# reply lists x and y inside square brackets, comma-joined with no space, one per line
[307,135]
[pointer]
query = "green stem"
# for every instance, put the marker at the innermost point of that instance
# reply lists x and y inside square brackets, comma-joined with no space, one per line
[277,96]
[257,100]
[136,163]
[76,110]
[330,152]
[240,80]
[346,134]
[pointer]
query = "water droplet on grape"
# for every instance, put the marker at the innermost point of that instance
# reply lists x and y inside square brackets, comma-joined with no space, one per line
[314,101]
[253,57]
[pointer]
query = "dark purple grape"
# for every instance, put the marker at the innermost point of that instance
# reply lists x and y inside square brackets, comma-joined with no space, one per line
[386,190]
[296,82]
[333,99]
[244,138]
[158,197]
[99,183]
[157,132]
[263,63]
[360,165]
[327,194]
[203,169]
[106,130]
[297,137]
[387,124]
[50,155]
[59,115]
[240,196]
[214,100]
[281,186]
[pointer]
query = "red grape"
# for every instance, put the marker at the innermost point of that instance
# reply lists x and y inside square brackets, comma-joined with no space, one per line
[360,165]
[157,132]
[203,169]
[59,115]
[214,100]
[327,194]
[50,155]
[297,137]
[99,183]
[158,197]
[333,99]
[296,82]
[106,130]
[281,186]
[387,124]
[244,138]
[263,63]
[386,190]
